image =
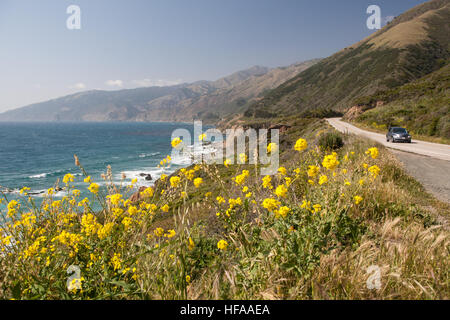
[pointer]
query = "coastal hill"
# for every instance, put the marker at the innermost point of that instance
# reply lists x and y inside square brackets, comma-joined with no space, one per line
[413,45]
[184,102]
[422,106]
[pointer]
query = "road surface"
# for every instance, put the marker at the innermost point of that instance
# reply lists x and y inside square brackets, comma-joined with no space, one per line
[434,150]
[428,162]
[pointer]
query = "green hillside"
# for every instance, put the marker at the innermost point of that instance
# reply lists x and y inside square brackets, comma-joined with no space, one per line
[422,106]
[412,46]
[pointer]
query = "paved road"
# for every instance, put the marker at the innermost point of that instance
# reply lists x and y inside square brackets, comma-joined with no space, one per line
[428,162]
[433,174]
[434,150]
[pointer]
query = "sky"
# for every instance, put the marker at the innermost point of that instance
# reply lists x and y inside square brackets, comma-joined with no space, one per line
[134,43]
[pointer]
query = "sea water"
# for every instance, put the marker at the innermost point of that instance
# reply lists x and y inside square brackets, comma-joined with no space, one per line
[36,155]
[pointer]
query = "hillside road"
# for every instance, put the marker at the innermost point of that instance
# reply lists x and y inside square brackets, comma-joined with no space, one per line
[434,150]
[427,162]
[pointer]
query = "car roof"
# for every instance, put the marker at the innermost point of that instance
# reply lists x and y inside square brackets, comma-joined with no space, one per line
[397,128]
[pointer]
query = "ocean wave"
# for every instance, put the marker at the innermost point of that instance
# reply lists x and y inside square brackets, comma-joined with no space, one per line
[37,193]
[43,192]
[38,176]
[53,173]
[145,155]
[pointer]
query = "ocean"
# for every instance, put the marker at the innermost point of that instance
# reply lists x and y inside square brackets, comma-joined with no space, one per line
[35,155]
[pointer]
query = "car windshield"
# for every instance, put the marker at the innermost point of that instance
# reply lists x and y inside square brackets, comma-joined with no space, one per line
[399,130]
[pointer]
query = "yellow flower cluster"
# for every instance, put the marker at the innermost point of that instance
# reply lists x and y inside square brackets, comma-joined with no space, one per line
[313,171]
[176,142]
[374,171]
[267,182]
[301,145]
[240,179]
[330,161]
[373,152]
[175,181]
[271,204]
[222,245]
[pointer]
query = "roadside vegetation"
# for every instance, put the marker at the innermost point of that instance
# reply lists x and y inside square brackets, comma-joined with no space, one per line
[423,107]
[337,206]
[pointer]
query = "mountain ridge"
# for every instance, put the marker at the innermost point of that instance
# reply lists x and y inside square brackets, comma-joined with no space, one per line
[182,102]
[378,62]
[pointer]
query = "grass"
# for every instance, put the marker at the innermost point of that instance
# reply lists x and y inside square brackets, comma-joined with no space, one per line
[233,235]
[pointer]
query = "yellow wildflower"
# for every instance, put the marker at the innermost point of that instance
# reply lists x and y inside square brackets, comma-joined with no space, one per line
[170,233]
[116,261]
[330,161]
[357,199]
[220,199]
[283,211]
[127,221]
[281,191]
[198,182]
[374,171]
[147,193]
[282,171]
[313,171]
[115,199]
[191,244]
[301,145]
[267,182]
[68,178]
[270,204]
[175,181]
[93,188]
[159,232]
[373,152]
[227,162]
[222,245]
[323,179]
[176,142]
[272,147]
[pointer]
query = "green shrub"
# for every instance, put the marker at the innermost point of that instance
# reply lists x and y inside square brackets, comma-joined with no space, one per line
[331,141]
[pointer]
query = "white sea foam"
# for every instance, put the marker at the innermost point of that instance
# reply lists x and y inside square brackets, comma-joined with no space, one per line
[191,154]
[145,155]
[43,192]
[37,193]
[45,174]
[136,174]
[38,176]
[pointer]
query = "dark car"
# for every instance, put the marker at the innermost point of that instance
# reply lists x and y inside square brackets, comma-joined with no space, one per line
[397,134]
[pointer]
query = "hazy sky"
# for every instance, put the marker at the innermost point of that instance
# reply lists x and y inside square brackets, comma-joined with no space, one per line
[133,43]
